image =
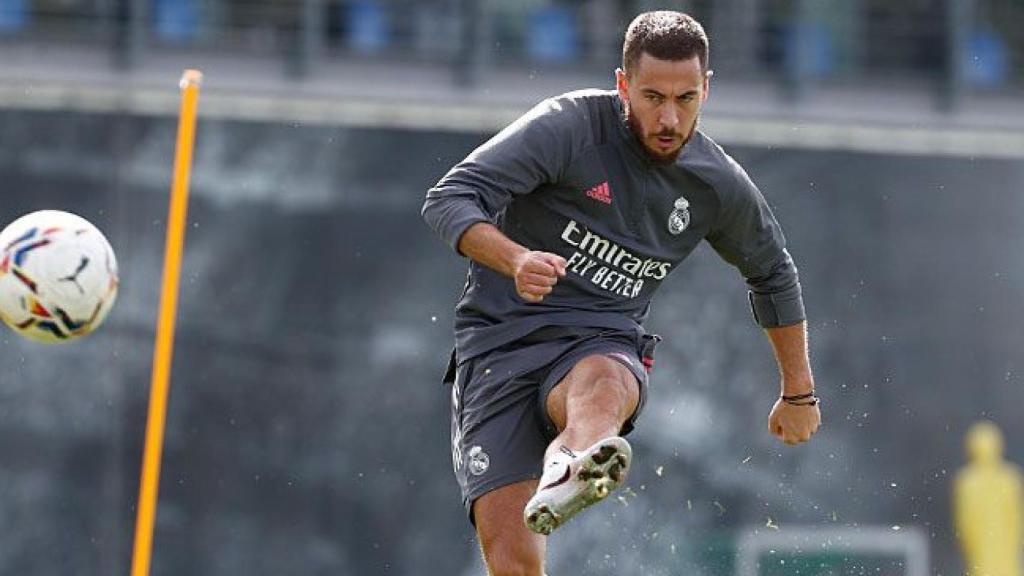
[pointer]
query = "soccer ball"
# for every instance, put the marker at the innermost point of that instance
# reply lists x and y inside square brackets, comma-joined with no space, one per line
[58,276]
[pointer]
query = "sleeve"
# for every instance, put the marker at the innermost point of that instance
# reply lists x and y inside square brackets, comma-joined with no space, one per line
[747,236]
[531,151]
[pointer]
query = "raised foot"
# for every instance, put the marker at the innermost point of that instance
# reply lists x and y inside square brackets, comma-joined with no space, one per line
[590,478]
[543,520]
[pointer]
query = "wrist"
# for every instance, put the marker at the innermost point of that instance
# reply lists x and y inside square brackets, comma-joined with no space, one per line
[514,259]
[806,399]
[484,243]
[797,387]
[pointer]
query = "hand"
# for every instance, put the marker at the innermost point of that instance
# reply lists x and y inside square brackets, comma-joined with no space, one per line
[793,424]
[536,274]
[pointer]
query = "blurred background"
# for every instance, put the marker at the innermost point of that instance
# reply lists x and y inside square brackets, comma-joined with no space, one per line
[307,431]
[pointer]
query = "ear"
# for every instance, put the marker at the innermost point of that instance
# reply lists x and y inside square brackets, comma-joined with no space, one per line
[707,86]
[621,84]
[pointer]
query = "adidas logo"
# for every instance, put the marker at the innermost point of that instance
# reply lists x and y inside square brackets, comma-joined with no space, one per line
[601,193]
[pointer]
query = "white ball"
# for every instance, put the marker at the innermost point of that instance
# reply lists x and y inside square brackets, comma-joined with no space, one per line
[58,276]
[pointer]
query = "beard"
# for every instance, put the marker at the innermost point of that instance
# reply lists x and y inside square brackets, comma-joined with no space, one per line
[654,155]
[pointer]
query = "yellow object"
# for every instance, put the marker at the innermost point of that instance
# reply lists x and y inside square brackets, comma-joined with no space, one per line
[164,346]
[987,506]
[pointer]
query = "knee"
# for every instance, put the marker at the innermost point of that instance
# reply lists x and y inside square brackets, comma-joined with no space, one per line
[597,387]
[616,387]
[610,391]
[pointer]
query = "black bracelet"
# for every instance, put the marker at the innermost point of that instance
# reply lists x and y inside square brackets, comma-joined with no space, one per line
[799,397]
[808,399]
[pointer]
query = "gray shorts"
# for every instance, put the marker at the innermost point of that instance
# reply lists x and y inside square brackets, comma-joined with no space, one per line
[500,427]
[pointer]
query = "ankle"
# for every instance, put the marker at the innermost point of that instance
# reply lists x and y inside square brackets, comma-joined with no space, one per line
[578,440]
[559,454]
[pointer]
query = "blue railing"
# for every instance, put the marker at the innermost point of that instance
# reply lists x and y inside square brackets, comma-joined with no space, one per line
[973,44]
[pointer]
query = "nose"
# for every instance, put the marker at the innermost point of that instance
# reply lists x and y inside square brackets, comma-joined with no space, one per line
[668,117]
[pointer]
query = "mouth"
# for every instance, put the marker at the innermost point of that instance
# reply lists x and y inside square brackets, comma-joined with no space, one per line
[666,142]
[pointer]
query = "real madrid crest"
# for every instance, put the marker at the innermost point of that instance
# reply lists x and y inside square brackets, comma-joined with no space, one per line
[679,219]
[479,462]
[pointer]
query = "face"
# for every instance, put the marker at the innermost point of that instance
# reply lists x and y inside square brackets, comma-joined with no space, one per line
[662,100]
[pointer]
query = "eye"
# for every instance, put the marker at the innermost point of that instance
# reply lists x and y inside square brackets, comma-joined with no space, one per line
[654,98]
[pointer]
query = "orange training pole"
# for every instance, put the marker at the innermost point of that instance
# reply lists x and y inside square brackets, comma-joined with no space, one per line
[164,347]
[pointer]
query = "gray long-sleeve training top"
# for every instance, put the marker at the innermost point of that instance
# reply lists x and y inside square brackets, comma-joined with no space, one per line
[570,177]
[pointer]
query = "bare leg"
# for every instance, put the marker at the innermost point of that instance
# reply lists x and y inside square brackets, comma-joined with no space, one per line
[587,459]
[591,403]
[509,548]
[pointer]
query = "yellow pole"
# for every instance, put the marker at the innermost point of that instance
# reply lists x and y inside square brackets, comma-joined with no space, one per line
[164,346]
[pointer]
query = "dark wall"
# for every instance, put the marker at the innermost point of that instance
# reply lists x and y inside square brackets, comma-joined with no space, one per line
[307,431]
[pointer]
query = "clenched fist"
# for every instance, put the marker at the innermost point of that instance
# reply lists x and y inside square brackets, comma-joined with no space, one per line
[536,274]
[793,424]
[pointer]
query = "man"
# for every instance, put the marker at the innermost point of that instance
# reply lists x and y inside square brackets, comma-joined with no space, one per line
[572,216]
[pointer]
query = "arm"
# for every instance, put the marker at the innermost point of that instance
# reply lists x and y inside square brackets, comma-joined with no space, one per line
[465,203]
[530,152]
[790,346]
[534,272]
[748,236]
[793,422]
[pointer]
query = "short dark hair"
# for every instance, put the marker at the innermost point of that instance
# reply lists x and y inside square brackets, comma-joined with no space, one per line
[665,35]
